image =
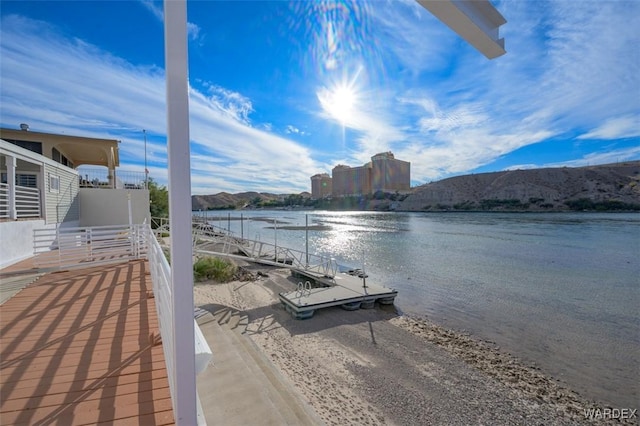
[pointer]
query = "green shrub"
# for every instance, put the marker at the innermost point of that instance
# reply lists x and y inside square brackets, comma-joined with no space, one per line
[213,268]
[607,205]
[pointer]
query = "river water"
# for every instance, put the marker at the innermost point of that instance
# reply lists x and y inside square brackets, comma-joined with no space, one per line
[561,290]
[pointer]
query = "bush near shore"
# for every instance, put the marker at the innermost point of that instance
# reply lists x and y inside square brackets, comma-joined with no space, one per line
[214,268]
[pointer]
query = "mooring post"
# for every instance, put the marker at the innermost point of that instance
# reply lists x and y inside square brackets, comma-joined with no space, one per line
[364,274]
[306,234]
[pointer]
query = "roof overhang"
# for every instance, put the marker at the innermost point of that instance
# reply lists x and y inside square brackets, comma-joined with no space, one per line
[476,21]
[80,150]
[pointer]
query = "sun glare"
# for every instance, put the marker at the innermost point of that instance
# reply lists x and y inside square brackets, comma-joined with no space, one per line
[339,103]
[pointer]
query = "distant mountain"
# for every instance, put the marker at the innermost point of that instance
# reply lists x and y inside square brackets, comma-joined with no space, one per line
[604,187]
[224,200]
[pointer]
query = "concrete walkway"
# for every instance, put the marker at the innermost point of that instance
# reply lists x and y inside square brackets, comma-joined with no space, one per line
[12,285]
[240,386]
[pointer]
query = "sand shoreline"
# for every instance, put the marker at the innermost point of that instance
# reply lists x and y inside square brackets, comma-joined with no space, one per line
[376,367]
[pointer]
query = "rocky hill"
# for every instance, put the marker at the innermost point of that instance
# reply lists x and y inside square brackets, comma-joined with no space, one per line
[224,200]
[604,187]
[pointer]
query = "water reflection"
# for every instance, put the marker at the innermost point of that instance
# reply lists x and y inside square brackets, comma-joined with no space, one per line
[558,289]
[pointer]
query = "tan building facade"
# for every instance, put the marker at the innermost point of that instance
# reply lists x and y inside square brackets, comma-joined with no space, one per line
[383,173]
[348,181]
[70,151]
[321,186]
[389,174]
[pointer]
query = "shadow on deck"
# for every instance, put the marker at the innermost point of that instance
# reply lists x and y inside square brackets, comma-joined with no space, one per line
[82,347]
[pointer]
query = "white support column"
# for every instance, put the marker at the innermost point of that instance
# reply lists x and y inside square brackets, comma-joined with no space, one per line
[111,168]
[176,67]
[11,181]
[42,186]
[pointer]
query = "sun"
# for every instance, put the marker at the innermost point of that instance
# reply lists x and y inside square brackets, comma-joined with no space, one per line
[339,102]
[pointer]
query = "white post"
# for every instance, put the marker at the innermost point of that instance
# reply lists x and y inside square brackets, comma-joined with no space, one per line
[364,274]
[176,67]
[306,236]
[11,181]
[130,222]
[146,170]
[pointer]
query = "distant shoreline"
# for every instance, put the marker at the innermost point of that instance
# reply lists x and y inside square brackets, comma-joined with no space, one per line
[600,188]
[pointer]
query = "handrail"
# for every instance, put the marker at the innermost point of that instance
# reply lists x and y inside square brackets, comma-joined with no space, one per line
[99,178]
[304,289]
[79,246]
[27,201]
[260,251]
[204,233]
[4,200]
[161,278]
[88,246]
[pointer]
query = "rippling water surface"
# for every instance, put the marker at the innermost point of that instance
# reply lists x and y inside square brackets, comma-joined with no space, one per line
[558,289]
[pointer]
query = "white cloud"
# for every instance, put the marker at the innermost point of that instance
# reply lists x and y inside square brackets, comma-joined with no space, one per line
[422,92]
[229,102]
[117,100]
[413,38]
[567,67]
[616,128]
[609,157]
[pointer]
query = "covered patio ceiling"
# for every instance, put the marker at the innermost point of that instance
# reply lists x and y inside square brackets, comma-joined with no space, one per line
[79,150]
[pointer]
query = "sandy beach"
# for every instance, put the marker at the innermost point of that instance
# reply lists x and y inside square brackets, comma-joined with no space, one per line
[375,367]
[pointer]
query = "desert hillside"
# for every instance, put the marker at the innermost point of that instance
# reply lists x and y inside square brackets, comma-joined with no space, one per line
[225,200]
[604,187]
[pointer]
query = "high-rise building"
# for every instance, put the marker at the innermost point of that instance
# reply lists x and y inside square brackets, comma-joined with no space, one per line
[383,173]
[351,180]
[321,186]
[389,174]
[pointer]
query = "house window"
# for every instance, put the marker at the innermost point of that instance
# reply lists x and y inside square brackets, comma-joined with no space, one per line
[58,157]
[31,146]
[54,183]
[27,180]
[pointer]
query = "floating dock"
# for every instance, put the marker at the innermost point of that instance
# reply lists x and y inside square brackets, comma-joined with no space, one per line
[321,285]
[349,291]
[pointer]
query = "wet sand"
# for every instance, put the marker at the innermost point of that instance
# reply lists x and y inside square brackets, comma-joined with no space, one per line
[374,367]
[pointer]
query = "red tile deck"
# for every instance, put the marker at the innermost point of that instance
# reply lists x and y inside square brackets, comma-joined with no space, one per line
[81,347]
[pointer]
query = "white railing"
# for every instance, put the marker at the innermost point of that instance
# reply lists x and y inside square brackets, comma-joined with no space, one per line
[27,201]
[161,278]
[70,247]
[88,246]
[4,200]
[262,252]
[205,235]
[99,178]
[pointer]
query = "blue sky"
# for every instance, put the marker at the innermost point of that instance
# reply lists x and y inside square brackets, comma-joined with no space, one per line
[280,91]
